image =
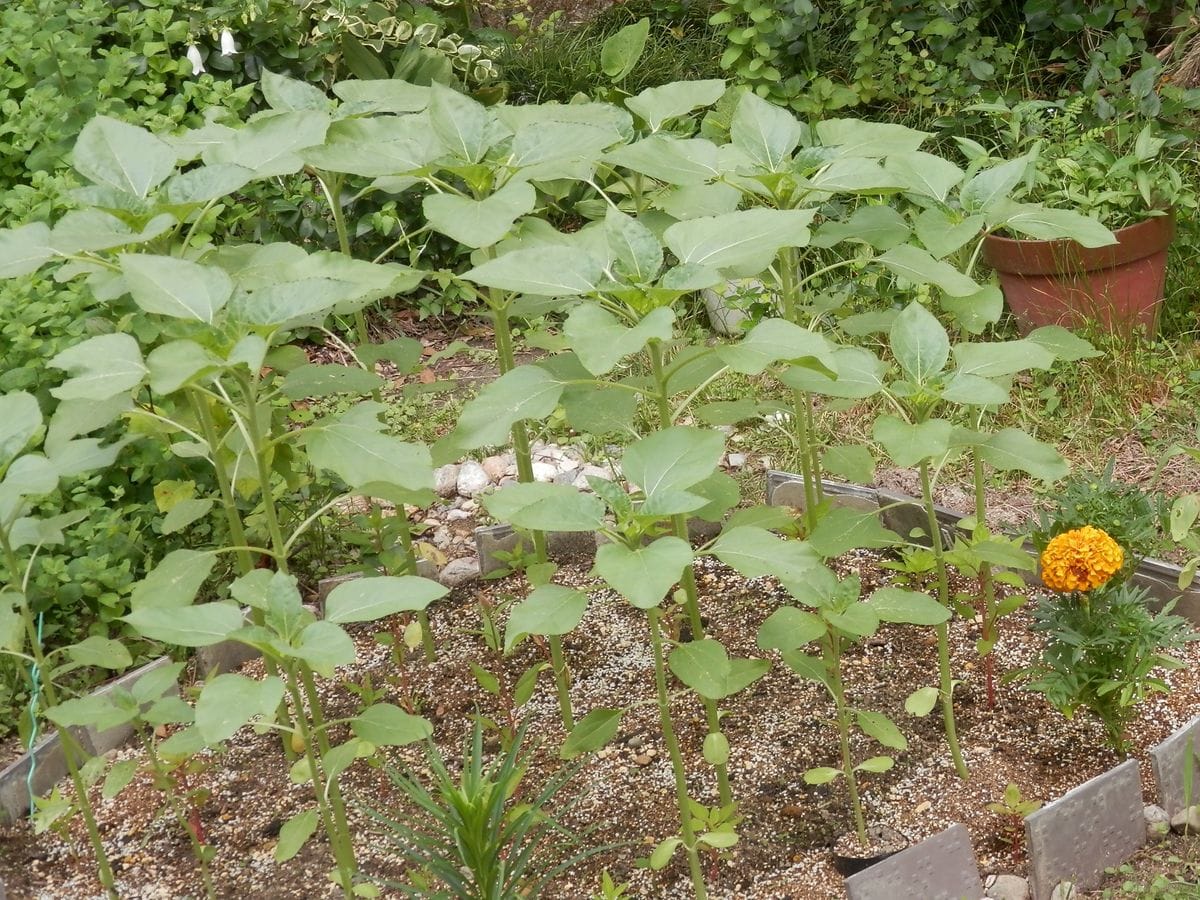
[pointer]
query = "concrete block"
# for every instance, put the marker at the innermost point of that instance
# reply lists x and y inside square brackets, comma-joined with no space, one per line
[786,489]
[561,546]
[904,514]
[1171,760]
[1089,829]
[112,738]
[426,568]
[942,867]
[50,767]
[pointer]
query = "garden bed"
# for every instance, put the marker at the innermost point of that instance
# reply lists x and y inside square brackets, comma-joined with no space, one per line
[778,729]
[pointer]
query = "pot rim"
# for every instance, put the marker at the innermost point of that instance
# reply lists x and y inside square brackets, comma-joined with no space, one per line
[1030,256]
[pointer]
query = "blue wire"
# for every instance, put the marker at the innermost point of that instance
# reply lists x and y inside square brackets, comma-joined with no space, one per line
[35,677]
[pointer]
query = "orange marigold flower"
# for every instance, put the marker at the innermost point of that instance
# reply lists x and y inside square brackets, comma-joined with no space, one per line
[1081,560]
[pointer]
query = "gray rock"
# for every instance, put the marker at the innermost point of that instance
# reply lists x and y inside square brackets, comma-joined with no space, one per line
[472,479]
[1007,887]
[598,472]
[544,471]
[457,515]
[736,460]
[1064,890]
[569,477]
[460,570]
[1158,822]
[442,538]
[445,480]
[1186,820]
[496,467]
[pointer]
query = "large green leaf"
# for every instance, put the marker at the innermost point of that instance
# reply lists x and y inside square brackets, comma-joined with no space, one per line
[101,367]
[600,340]
[295,832]
[673,459]
[909,444]
[592,732]
[324,646]
[994,184]
[777,340]
[925,173]
[480,223]
[271,143]
[1065,345]
[548,610]
[683,161]
[943,232]
[977,312]
[789,628]
[230,701]
[386,725]
[24,249]
[843,529]
[175,581]
[527,392]
[880,227]
[353,446]
[286,302]
[764,131]
[176,287]
[546,507]
[755,553]
[550,271]
[744,240]
[326,379]
[466,128]
[1044,224]
[620,52]
[122,156]
[376,147]
[859,374]
[915,265]
[657,105]
[919,343]
[384,95]
[176,363]
[20,419]
[105,653]
[880,727]
[1011,448]
[707,669]
[645,574]
[368,599]
[186,626]
[991,359]
[285,93]
[636,250]
[860,137]
[894,604]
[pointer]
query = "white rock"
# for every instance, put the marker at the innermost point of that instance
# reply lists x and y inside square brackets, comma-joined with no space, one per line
[567,464]
[1158,823]
[1186,820]
[736,460]
[457,571]
[544,471]
[442,538]
[457,515]
[497,466]
[445,480]
[1064,890]
[568,478]
[468,505]
[472,479]
[1007,887]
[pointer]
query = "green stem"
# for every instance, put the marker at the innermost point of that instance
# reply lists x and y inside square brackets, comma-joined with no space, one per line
[524,457]
[991,622]
[814,451]
[237,532]
[686,833]
[943,630]
[162,776]
[687,581]
[73,753]
[343,844]
[428,644]
[254,426]
[837,689]
[800,419]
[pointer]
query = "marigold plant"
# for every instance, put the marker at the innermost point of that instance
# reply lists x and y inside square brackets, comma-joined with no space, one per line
[1081,559]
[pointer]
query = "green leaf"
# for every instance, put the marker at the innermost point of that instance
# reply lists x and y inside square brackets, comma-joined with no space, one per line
[20,419]
[860,137]
[551,271]
[636,250]
[95,710]
[1043,224]
[327,379]
[995,358]
[601,341]
[527,392]
[389,95]
[842,529]
[174,287]
[480,223]
[271,144]
[368,599]
[644,575]
[1064,344]
[386,725]
[186,626]
[744,241]
[548,610]
[880,227]
[909,445]
[894,604]
[295,834]
[755,553]
[691,161]
[706,668]
[921,701]
[285,93]
[850,461]
[546,507]
[943,232]
[103,652]
[821,775]
[990,185]
[620,52]
[925,173]
[765,132]
[657,105]
[118,777]
[789,628]
[976,312]
[876,764]
[592,732]
[663,852]
[859,375]
[230,701]
[353,446]
[101,366]
[777,340]
[24,249]
[183,514]
[857,620]
[175,581]
[716,749]
[1007,553]
[1011,448]
[123,157]
[465,127]
[915,265]
[382,147]
[673,459]
[324,646]
[880,727]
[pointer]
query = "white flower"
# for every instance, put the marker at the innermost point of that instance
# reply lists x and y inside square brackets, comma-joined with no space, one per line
[194,57]
[228,47]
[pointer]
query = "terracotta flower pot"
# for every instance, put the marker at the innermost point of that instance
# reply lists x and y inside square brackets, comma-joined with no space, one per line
[1119,287]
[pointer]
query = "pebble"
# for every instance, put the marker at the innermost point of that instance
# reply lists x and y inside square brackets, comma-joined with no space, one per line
[1186,820]
[472,480]
[1158,823]
[445,480]
[921,807]
[792,811]
[457,515]
[567,478]
[1064,890]
[544,471]
[643,759]
[496,467]
[457,571]
[442,537]
[1007,887]
[597,472]
[736,460]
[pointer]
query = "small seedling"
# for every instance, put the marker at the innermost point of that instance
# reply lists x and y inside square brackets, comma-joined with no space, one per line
[1013,808]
